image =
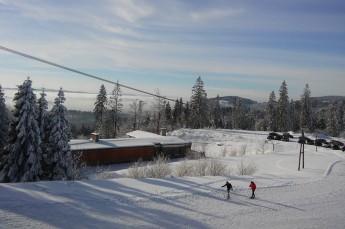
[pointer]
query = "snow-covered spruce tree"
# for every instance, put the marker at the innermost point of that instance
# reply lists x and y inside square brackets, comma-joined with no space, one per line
[21,160]
[100,109]
[306,110]
[115,108]
[283,108]
[332,122]
[43,120]
[60,156]
[271,112]
[4,121]
[198,105]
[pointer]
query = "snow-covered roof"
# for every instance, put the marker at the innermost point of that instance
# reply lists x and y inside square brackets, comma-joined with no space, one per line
[143,134]
[84,144]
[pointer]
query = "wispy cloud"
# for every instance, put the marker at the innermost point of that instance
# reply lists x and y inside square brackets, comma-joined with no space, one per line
[166,44]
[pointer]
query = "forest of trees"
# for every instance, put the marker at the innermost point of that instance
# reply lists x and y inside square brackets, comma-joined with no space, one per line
[34,141]
[280,114]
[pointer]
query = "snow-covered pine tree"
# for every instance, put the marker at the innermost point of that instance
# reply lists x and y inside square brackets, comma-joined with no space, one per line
[199,105]
[115,108]
[100,109]
[271,112]
[22,157]
[332,122]
[283,108]
[4,121]
[43,120]
[306,110]
[60,156]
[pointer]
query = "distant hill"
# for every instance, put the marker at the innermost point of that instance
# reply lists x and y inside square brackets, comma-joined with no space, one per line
[324,101]
[229,101]
[317,102]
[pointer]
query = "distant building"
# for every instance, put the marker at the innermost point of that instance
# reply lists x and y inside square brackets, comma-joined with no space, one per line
[141,145]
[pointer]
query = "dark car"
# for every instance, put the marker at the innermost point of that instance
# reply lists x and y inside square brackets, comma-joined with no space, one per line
[336,145]
[306,140]
[286,137]
[274,136]
[320,142]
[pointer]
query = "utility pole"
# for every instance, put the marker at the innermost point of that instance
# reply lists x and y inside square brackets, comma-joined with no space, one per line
[301,152]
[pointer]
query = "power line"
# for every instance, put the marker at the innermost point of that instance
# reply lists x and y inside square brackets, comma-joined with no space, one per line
[80,72]
[65,91]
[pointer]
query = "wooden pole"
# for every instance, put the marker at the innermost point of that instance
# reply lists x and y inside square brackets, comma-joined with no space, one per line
[303,156]
[299,159]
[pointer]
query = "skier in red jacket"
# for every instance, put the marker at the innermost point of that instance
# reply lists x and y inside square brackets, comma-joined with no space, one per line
[253,187]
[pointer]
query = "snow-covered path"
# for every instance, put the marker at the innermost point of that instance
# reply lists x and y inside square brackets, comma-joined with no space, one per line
[172,203]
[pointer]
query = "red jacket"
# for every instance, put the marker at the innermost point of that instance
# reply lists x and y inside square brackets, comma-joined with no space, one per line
[252,186]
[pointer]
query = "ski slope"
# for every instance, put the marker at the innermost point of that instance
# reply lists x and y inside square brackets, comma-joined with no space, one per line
[286,198]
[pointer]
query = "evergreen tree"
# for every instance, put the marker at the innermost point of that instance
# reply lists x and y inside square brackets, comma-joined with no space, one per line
[100,109]
[60,162]
[306,110]
[271,111]
[115,105]
[43,120]
[283,108]
[198,105]
[332,122]
[4,121]
[21,160]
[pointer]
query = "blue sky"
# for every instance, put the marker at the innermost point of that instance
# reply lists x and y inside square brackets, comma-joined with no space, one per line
[244,48]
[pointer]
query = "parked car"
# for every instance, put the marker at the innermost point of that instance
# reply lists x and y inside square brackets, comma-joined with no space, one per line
[336,145]
[306,140]
[274,136]
[286,137]
[320,142]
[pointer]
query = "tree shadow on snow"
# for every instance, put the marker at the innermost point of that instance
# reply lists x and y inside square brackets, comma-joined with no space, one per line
[101,204]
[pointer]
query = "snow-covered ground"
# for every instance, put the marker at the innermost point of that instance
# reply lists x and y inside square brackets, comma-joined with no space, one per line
[286,198]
